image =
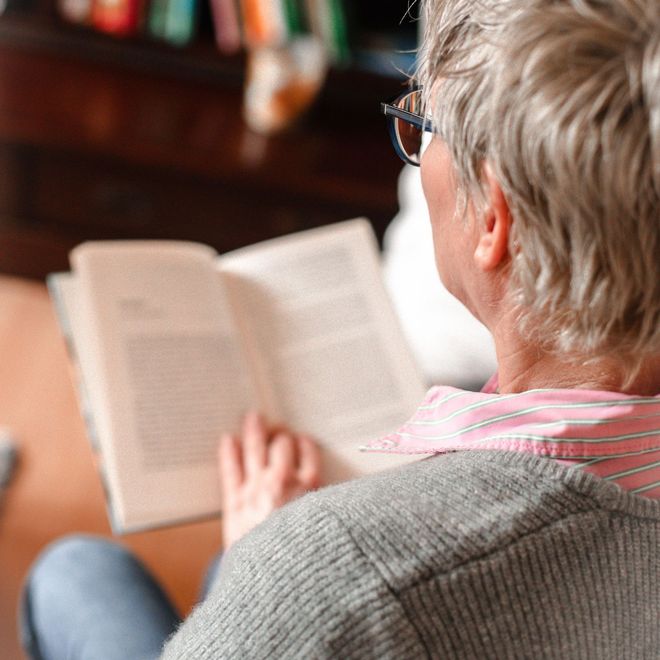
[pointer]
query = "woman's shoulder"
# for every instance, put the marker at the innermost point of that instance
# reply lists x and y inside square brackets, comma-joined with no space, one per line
[325,575]
[463,504]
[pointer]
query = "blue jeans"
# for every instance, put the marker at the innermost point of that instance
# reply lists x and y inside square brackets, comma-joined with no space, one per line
[88,597]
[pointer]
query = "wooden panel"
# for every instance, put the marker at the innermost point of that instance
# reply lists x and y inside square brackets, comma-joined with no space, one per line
[92,150]
[340,151]
[99,198]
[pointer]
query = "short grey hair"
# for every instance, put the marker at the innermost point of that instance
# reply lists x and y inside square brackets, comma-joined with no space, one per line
[562,99]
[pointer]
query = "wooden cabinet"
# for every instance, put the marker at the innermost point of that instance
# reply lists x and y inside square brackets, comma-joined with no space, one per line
[104,139]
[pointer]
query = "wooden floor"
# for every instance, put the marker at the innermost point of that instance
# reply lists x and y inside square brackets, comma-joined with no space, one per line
[55,490]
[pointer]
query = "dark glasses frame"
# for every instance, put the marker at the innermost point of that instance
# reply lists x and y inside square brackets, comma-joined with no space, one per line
[393,112]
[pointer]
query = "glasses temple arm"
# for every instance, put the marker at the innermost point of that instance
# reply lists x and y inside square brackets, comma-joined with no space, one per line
[410,117]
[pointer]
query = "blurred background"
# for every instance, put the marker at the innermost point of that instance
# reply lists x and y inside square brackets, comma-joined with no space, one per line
[221,121]
[159,119]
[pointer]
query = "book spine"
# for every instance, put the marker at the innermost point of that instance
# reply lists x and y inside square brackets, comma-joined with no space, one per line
[75,11]
[294,16]
[156,18]
[180,21]
[338,32]
[264,23]
[226,25]
[117,17]
[82,393]
[116,525]
[328,21]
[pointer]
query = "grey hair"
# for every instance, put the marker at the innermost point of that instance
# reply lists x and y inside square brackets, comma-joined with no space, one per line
[562,99]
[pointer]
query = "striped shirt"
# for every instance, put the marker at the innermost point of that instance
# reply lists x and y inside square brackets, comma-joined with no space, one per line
[614,436]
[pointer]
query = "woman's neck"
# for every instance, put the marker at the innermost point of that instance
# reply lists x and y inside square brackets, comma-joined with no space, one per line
[523,366]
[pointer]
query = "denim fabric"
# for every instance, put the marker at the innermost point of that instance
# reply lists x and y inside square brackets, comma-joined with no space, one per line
[90,598]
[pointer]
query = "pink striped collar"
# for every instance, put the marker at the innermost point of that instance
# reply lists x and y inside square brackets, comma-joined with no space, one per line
[569,424]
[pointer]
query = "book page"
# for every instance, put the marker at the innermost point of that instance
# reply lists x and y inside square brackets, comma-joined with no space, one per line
[326,344]
[165,374]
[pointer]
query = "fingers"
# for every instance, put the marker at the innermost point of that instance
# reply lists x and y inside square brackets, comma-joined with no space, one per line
[309,465]
[255,443]
[230,466]
[287,456]
[282,456]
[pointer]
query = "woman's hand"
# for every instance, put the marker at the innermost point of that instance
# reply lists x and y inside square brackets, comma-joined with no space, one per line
[260,471]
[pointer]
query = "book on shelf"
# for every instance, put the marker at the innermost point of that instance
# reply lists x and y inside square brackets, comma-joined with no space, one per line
[172,344]
[226,25]
[295,16]
[174,21]
[156,16]
[75,11]
[342,28]
[273,23]
[328,20]
[118,17]
[264,23]
[180,21]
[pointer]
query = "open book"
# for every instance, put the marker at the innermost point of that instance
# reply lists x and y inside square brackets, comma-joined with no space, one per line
[173,344]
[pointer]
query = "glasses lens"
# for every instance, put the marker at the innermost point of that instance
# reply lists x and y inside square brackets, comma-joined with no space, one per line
[409,136]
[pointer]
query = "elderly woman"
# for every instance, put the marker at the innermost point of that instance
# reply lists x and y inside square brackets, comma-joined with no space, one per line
[534,531]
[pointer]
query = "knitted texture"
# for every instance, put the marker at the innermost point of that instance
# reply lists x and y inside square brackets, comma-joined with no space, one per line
[465,555]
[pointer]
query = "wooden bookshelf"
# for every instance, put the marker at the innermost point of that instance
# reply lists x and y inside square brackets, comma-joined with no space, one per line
[125,138]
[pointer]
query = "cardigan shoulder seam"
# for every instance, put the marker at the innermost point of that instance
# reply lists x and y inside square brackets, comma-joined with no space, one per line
[383,579]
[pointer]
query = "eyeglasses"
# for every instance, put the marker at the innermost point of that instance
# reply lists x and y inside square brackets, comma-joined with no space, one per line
[407,126]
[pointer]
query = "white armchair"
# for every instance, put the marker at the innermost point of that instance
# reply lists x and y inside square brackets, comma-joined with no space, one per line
[450,345]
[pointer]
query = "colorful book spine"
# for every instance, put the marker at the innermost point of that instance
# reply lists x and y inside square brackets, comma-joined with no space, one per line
[118,17]
[156,18]
[264,23]
[328,20]
[180,21]
[227,26]
[75,11]
[294,14]
[338,32]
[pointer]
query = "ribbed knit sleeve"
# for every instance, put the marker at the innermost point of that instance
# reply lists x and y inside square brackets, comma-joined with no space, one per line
[296,587]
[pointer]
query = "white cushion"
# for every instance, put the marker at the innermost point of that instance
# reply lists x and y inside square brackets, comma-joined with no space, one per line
[450,345]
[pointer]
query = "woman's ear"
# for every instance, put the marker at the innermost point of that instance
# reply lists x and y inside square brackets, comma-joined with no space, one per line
[493,242]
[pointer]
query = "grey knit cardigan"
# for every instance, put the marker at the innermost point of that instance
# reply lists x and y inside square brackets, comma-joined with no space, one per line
[467,555]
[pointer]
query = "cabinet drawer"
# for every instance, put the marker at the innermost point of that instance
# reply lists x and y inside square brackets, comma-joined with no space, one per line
[100,199]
